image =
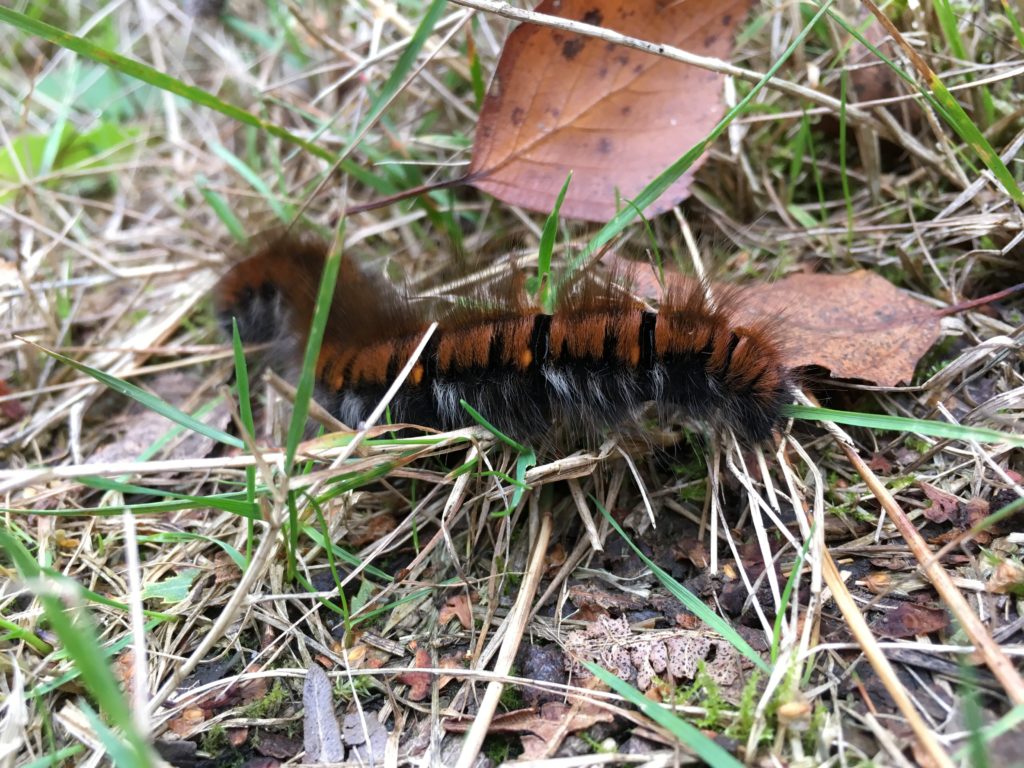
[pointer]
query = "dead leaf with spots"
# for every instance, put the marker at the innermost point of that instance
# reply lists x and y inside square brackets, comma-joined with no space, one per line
[857,325]
[615,117]
[641,656]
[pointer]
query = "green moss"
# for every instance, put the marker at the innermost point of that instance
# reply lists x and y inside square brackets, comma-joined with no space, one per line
[500,749]
[743,723]
[511,698]
[269,705]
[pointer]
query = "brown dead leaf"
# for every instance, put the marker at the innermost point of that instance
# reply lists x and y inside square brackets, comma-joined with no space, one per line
[614,116]
[692,549]
[880,464]
[857,325]
[1008,578]
[372,530]
[555,559]
[944,506]
[11,410]
[187,721]
[124,669]
[975,510]
[542,728]
[909,620]
[225,569]
[278,745]
[885,583]
[237,736]
[457,607]
[418,682]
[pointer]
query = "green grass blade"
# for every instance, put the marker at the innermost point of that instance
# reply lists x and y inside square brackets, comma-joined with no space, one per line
[787,594]
[283,211]
[951,111]
[483,422]
[666,178]
[947,20]
[80,641]
[146,399]
[307,377]
[1008,723]
[902,424]
[14,632]
[146,74]
[693,603]
[843,151]
[706,749]
[1014,22]
[229,502]
[547,248]
[343,554]
[249,425]
[56,758]
[222,209]
[123,754]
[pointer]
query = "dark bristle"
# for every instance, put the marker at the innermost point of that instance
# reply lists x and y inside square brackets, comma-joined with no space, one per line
[593,364]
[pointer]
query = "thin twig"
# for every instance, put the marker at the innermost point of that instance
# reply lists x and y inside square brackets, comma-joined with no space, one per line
[509,647]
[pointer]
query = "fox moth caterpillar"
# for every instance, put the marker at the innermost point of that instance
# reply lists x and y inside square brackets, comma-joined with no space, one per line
[594,363]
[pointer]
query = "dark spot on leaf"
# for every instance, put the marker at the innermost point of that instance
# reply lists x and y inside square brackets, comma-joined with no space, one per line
[554,111]
[609,46]
[571,48]
[517,116]
[593,16]
[626,110]
[638,68]
[727,20]
[602,72]
[622,59]
[604,145]
[710,40]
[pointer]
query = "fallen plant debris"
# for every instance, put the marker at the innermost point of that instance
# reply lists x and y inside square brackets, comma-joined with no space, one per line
[614,117]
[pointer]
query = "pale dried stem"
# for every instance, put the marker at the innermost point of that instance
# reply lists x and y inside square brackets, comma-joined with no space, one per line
[509,646]
[261,559]
[989,649]
[876,657]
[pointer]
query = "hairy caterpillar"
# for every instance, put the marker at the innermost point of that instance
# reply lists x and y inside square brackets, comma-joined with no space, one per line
[594,363]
